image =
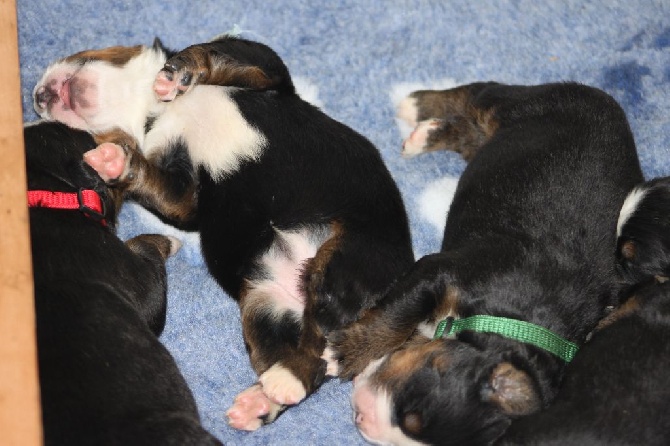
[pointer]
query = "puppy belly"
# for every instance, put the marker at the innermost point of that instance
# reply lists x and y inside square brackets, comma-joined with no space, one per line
[282,267]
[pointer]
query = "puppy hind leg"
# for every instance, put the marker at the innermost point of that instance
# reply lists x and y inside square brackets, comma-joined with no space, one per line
[446,119]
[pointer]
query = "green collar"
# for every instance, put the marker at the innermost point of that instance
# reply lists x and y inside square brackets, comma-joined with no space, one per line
[521,331]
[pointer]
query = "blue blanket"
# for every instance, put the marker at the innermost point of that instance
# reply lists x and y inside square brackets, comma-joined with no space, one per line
[356,59]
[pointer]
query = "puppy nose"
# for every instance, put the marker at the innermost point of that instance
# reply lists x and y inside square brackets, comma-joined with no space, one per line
[43,96]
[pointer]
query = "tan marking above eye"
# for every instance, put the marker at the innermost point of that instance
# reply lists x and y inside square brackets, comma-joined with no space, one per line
[628,250]
[412,423]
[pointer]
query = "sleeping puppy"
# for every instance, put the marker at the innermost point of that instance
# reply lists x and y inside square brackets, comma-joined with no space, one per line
[617,386]
[480,333]
[300,220]
[100,304]
[643,249]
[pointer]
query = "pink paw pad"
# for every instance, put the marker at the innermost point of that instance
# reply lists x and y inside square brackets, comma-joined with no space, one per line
[108,159]
[248,409]
[416,143]
[166,86]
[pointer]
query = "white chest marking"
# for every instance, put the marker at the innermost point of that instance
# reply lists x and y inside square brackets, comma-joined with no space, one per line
[210,123]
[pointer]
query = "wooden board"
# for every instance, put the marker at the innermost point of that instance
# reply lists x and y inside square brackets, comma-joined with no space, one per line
[20,416]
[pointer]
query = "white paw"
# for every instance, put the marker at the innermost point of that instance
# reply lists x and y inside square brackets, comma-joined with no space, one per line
[416,142]
[281,386]
[408,111]
[332,364]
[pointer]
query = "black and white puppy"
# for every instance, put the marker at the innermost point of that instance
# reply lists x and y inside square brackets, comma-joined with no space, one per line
[300,220]
[100,305]
[528,239]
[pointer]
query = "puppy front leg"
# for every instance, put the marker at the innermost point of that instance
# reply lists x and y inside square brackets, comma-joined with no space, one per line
[382,329]
[150,252]
[164,183]
[222,62]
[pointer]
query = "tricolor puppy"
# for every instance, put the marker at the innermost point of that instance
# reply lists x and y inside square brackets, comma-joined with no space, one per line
[100,305]
[618,384]
[300,220]
[643,247]
[480,333]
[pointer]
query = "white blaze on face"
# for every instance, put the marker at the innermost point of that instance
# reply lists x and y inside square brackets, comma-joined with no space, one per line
[372,411]
[629,206]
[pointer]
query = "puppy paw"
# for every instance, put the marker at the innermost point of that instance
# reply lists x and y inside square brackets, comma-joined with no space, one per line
[251,408]
[176,77]
[108,159]
[281,386]
[408,111]
[417,141]
[332,364]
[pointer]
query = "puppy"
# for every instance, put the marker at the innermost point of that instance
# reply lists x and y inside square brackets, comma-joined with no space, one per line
[100,304]
[643,230]
[616,387]
[300,220]
[528,239]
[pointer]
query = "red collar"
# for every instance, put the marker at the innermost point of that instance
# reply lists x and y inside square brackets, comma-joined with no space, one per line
[86,200]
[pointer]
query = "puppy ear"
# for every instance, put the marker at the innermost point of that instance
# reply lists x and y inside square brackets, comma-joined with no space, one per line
[512,390]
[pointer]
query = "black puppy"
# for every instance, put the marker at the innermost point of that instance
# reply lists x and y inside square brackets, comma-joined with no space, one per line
[100,305]
[617,387]
[299,218]
[525,273]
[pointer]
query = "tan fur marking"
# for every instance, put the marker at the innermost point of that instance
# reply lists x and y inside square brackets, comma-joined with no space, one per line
[115,55]
[403,363]
[219,70]
[412,423]
[448,306]
[628,307]
[628,250]
[144,181]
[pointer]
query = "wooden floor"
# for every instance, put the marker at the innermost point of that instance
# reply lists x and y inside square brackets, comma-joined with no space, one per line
[20,417]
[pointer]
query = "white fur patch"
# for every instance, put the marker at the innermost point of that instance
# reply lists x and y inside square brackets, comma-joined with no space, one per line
[115,96]
[373,407]
[629,207]
[284,263]
[435,201]
[281,386]
[406,107]
[217,135]
[308,91]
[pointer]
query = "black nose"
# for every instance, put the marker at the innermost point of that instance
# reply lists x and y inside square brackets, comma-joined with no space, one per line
[43,96]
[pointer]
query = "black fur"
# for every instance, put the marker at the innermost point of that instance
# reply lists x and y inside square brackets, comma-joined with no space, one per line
[100,304]
[529,236]
[615,392]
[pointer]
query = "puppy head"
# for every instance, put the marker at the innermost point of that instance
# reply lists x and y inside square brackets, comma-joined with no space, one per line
[441,392]
[54,161]
[643,232]
[97,90]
